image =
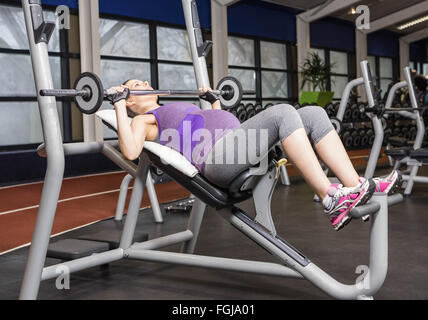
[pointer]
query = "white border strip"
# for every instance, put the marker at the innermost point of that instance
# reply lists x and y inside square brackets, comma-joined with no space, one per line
[69,178]
[64,200]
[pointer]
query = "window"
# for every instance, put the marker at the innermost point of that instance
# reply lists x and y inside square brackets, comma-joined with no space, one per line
[339,72]
[20,124]
[175,60]
[385,73]
[425,69]
[320,52]
[274,70]
[261,66]
[125,54]
[242,61]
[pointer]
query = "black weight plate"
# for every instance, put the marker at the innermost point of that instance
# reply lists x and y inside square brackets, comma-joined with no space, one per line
[232,85]
[92,103]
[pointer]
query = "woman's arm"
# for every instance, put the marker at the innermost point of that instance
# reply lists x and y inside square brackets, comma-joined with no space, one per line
[131,136]
[215,103]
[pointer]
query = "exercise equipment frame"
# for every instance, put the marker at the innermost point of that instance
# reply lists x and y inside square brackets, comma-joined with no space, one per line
[261,229]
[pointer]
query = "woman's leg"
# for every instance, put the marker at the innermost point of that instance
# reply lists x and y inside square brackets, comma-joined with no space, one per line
[281,123]
[328,144]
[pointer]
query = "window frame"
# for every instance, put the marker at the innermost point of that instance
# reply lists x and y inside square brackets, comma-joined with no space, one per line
[258,69]
[64,56]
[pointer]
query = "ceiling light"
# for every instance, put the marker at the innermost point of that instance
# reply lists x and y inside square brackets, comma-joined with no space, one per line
[412,23]
[353,11]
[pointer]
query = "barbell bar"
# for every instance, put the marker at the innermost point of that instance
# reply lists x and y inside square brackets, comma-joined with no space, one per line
[89,92]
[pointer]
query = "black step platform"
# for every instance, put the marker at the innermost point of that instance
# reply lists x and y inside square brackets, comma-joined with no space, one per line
[399,153]
[70,249]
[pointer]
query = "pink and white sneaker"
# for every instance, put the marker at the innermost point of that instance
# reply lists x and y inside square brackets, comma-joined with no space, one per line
[387,184]
[342,200]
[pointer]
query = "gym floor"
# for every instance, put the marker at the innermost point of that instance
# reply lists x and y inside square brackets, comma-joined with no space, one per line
[298,220]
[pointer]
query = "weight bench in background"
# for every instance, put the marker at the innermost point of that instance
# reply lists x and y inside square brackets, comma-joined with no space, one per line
[414,156]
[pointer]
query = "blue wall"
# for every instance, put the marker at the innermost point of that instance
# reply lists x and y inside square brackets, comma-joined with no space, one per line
[261,19]
[383,43]
[333,33]
[418,51]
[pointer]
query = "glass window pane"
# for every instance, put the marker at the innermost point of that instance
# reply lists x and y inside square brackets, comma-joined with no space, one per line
[246,77]
[20,123]
[177,77]
[384,83]
[411,65]
[241,52]
[16,76]
[385,65]
[173,44]
[273,55]
[274,84]
[13,33]
[372,62]
[114,73]
[425,69]
[339,62]
[126,39]
[320,52]
[338,84]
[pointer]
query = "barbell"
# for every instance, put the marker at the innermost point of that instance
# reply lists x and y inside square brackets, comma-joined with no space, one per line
[89,92]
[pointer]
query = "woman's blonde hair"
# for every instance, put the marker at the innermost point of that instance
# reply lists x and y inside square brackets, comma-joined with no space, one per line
[131,113]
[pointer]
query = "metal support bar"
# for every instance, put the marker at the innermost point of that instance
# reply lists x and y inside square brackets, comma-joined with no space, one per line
[55,164]
[208,262]
[98,259]
[124,186]
[163,242]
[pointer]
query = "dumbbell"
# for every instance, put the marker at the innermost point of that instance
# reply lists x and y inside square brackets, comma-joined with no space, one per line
[371,137]
[405,132]
[268,106]
[347,114]
[364,138]
[329,108]
[355,113]
[241,113]
[396,132]
[258,108]
[251,111]
[356,139]
[412,133]
[386,135]
[297,106]
[347,139]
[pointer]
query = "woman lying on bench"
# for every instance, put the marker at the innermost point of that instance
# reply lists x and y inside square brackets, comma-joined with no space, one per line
[218,156]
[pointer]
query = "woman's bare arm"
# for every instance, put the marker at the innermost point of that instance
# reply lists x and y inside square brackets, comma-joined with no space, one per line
[132,136]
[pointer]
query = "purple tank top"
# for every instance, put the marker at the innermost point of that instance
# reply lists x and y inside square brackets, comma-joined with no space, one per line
[191,131]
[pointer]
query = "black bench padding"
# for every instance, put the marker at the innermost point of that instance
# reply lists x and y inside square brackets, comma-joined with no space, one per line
[421,155]
[399,153]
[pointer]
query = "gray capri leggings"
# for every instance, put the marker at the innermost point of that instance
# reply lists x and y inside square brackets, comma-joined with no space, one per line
[223,164]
